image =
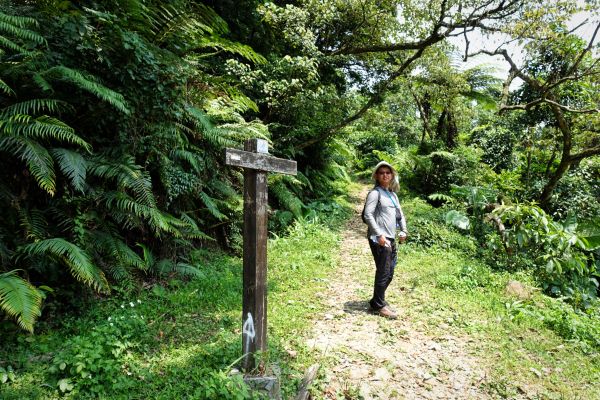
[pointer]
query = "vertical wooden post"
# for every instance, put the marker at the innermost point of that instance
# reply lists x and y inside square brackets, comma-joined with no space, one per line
[257,162]
[254,304]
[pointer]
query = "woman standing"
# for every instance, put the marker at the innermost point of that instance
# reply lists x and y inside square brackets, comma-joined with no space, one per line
[383,215]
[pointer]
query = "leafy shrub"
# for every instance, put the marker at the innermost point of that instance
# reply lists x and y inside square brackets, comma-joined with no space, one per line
[497,144]
[427,227]
[560,252]
[97,362]
[577,192]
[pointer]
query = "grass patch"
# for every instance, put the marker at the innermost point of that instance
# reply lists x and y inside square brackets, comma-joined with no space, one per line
[538,347]
[177,339]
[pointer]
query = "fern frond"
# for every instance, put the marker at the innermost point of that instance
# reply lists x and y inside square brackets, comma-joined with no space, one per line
[76,259]
[211,206]
[192,158]
[117,249]
[5,88]
[188,270]
[223,187]
[73,165]
[213,135]
[20,299]
[35,106]
[42,83]
[219,43]
[131,209]
[9,44]
[128,175]
[42,127]
[18,21]
[286,198]
[148,256]
[89,84]
[33,223]
[39,161]
[191,230]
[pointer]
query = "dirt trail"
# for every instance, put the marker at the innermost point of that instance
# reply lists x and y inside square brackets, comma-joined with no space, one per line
[370,357]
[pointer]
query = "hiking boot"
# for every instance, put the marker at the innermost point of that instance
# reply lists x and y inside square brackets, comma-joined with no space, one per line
[387,313]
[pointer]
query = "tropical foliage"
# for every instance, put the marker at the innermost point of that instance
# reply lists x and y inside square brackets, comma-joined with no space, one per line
[114,115]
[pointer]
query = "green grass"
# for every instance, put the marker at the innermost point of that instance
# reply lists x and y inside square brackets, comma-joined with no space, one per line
[190,336]
[540,347]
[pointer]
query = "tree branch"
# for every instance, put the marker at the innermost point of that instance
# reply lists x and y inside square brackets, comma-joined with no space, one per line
[592,151]
[375,98]
[503,9]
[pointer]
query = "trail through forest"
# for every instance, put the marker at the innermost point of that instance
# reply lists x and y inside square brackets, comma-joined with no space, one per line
[374,358]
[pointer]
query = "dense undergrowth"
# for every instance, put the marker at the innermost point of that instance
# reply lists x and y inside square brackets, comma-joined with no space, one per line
[181,338]
[175,338]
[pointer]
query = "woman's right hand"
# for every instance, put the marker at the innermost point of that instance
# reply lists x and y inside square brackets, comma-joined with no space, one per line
[381,240]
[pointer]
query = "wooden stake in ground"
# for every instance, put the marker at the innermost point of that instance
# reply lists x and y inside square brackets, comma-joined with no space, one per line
[256,163]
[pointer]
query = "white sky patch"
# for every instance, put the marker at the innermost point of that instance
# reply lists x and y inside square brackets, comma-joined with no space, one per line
[478,41]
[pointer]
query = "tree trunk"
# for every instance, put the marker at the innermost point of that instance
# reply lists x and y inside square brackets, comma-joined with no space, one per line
[563,167]
[451,131]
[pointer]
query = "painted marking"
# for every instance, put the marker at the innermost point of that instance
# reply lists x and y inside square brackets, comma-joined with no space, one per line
[248,330]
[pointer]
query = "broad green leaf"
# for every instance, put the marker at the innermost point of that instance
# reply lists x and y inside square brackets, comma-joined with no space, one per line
[457,219]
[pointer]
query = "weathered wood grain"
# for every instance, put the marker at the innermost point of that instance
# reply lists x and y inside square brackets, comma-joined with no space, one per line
[259,161]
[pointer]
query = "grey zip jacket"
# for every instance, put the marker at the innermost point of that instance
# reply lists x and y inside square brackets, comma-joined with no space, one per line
[380,213]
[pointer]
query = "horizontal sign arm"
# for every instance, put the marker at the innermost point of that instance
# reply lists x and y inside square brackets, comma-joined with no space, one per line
[259,161]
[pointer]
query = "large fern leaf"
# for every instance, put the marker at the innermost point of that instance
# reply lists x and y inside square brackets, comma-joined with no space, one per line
[5,88]
[207,130]
[286,198]
[15,34]
[19,299]
[73,165]
[42,127]
[35,106]
[77,260]
[88,83]
[38,159]
[128,175]
[211,206]
[33,223]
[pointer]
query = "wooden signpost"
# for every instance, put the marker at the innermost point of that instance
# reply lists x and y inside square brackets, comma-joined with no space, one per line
[257,162]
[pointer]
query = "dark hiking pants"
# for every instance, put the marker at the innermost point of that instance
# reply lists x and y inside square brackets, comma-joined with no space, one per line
[385,262]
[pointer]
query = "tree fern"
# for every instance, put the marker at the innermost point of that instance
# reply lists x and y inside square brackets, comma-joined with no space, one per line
[19,299]
[77,260]
[72,165]
[88,83]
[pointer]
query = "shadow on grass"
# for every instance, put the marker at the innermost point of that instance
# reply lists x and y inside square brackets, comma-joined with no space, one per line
[357,307]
